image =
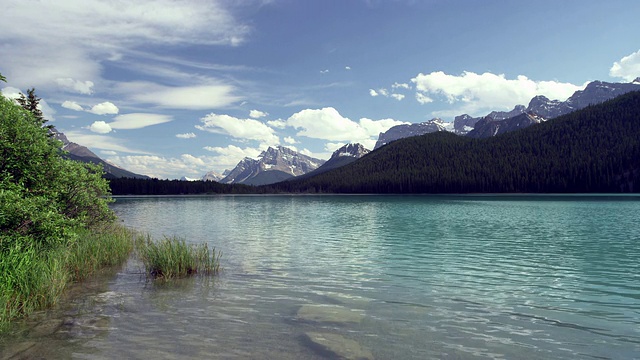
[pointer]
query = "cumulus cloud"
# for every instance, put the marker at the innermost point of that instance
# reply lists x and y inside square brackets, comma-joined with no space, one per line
[487,91]
[385,93]
[324,71]
[72,105]
[347,67]
[138,120]
[196,97]
[256,114]
[228,157]
[186,135]
[328,124]
[423,99]
[165,167]
[628,68]
[290,140]
[279,124]
[401,86]
[249,129]
[105,108]
[76,86]
[100,127]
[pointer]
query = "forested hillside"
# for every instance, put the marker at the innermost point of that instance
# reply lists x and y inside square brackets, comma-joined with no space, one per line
[596,149]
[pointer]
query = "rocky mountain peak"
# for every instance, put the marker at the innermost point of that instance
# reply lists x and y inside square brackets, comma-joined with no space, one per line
[407,130]
[352,150]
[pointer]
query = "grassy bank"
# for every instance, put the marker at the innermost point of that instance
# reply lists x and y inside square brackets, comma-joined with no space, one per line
[33,278]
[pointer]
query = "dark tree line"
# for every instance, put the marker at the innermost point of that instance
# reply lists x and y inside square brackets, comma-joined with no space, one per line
[131,186]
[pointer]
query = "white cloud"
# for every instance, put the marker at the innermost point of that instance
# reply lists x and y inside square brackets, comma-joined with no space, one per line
[628,68]
[347,67]
[196,97]
[325,124]
[256,114]
[108,152]
[165,167]
[11,93]
[102,142]
[386,93]
[138,120]
[279,124]
[332,146]
[77,36]
[290,140]
[375,127]
[105,108]
[72,105]
[324,71]
[323,156]
[228,157]
[423,99]
[373,93]
[328,124]
[487,91]
[100,127]
[401,86]
[76,86]
[239,128]
[397,96]
[186,135]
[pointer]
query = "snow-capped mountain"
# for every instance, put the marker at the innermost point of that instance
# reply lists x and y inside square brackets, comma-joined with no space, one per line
[488,127]
[541,108]
[273,165]
[407,130]
[341,157]
[214,176]
[81,153]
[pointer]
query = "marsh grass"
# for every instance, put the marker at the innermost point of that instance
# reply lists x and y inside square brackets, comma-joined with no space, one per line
[33,278]
[172,257]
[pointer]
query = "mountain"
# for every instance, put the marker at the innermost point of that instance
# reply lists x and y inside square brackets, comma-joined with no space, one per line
[341,157]
[488,127]
[407,130]
[595,149]
[273,165]
[80,153]
[541,108]
[214,176]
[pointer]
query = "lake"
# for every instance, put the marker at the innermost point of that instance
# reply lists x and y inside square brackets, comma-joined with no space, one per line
[384,277]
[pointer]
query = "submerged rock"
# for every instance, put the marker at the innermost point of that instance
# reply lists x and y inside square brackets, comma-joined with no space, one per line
[329,313]
[339,346]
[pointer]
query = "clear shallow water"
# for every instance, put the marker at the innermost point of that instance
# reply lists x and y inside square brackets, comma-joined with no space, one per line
[431,277]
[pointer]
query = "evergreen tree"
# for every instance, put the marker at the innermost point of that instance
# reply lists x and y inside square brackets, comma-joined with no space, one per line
[30,103]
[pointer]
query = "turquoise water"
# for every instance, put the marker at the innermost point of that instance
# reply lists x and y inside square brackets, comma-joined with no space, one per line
[481,277]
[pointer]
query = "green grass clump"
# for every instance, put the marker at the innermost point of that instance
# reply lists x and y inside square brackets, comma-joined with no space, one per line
[173,258]
[34,278]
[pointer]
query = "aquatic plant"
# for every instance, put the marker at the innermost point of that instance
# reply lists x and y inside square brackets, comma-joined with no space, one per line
[172,257]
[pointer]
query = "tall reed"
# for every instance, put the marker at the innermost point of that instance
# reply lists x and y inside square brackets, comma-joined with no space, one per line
[172,257]
[33,278]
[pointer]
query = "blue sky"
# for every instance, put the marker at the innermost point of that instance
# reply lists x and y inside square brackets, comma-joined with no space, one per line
[178,88]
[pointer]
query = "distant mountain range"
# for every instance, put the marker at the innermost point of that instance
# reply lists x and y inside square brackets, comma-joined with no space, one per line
[595,149]
[540,109]
[81,153]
